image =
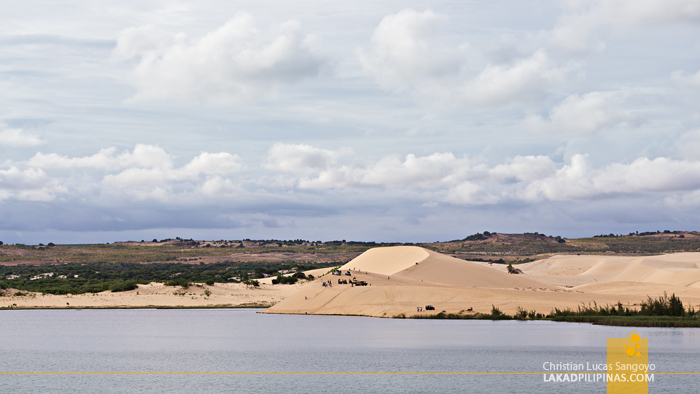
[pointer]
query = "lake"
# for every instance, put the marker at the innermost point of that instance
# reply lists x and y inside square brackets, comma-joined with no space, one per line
[241,340]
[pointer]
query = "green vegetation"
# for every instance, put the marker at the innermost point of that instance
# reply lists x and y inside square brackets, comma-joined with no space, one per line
[75,278]
[532,244]
[166,250]
[663,311]
[251,283]
[289,280]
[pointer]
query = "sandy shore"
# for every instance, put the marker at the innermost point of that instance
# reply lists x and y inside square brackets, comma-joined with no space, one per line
[159,295]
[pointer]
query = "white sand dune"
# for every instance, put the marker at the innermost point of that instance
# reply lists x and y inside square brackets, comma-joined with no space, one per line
[387,261]
[406,277]
[680,269]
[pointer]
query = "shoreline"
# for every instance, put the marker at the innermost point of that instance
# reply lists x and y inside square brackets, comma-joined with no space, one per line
[27,308]
[617,321]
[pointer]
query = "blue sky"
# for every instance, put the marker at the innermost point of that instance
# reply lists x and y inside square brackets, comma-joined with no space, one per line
[387,121]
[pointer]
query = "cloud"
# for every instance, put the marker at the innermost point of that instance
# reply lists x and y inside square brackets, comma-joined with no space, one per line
[406,49]
[686,80]
[216,186]
[222,163]
[17,137]
[522,178]
[301,158]
[499,84]
[235,63]
[391,172]
[148,156]
[146,172]
[292,172]
[577,180]
[407,53]
[576,29]
[30,185]
[470,193]
[584,114]
[524,168]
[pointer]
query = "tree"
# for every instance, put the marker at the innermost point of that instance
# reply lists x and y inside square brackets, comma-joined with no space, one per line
[251,283]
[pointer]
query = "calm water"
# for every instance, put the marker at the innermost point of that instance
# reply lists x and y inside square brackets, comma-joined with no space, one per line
[240,340]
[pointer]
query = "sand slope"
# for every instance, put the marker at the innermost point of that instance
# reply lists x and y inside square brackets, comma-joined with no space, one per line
[387,261]
[398,285]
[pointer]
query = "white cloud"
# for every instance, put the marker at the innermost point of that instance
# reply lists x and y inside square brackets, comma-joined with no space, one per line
[439,177]
[686,80]
[408,53]
[17,137]
[578,180]
[222,163]
[148,156]
[217,186]
[392,172]
[524,168]
[406,49]
[235,63]
[525,80]
[584,114]
[576,29]
[470,193]
[31,184]
[301,158]
[147,172]
[522,178]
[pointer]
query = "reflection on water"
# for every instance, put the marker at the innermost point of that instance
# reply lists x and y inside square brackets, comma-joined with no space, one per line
[239,340]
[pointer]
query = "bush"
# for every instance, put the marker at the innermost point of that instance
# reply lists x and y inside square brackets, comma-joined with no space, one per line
[178,282]
[251,283]
[663,306]
[123,286]
[285,280]
[495,311]
[210,282]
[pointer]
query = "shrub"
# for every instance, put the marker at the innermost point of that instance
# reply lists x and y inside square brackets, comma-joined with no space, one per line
[495,311]
[123,286]
[178,282]
[285,280]
[210,282]
[251,283]
[663,306]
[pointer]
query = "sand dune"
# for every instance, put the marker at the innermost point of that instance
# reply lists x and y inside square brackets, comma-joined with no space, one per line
[681,269]
[404,278]
[387,261]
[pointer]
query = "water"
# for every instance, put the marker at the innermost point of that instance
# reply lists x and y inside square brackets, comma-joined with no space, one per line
[240,340]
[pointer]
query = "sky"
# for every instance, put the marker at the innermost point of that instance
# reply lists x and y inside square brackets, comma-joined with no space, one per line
[394,121]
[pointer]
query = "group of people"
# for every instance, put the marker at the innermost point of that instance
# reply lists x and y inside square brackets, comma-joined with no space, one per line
[327,283]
